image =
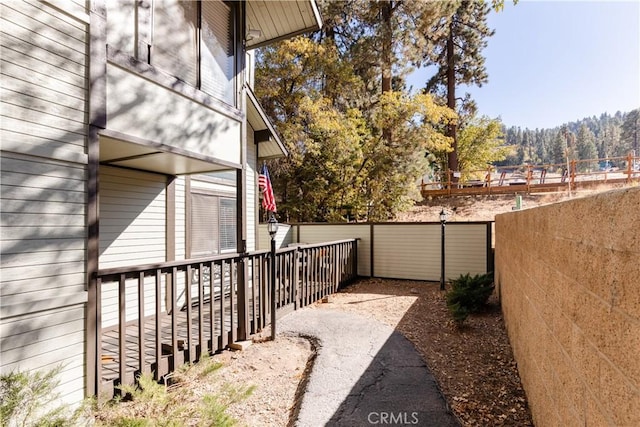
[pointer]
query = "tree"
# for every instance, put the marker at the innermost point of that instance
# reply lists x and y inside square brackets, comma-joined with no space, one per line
[586,146]
[557,149]
[480,145]
[456,44]
[630,135]
[340,158]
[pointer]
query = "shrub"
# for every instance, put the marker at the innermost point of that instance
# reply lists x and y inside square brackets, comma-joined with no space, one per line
[150,404]
[27,398]
[468,295]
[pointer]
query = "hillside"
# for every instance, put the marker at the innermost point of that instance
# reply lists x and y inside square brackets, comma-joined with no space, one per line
[483,208]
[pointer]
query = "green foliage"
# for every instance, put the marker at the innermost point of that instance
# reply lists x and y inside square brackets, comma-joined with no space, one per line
[468,295]
[614,135]
[26,399]
[351,147]
[152,404]
[480,145]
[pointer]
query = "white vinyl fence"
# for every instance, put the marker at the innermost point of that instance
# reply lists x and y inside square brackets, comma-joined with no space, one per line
[401,250]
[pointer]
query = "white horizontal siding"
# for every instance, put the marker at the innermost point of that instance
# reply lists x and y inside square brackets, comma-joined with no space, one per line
[199,182]
[284,237]
[44,85]
[132,232]
[132,218]
[251,183]
[42,210]
[181,218]
[44,341]
[43,128]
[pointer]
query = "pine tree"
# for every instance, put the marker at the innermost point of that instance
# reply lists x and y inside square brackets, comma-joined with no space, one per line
[586,146]
[630,135]
[456,44]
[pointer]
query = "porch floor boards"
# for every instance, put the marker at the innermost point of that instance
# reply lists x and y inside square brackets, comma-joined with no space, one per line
[110,338]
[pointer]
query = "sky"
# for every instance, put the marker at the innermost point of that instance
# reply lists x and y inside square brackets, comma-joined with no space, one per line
[552,62]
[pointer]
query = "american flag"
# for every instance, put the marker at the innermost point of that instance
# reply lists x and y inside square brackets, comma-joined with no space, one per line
[264,184]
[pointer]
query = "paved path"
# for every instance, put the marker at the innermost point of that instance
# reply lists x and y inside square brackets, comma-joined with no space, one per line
[365,374]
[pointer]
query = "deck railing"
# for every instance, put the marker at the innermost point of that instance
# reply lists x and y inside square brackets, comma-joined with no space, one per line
[528,178]
[154,318]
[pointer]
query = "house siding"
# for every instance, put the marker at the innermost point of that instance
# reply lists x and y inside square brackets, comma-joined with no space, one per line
[181,219]
[174,119]
[43,177]
[132,232]
[251,208]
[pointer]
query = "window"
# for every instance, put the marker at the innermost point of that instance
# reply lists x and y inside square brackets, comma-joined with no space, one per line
[174,43]
[217,51]
[213,225]
[208,63]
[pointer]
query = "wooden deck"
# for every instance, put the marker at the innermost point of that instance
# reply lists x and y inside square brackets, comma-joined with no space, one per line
[179,332]
[191,337]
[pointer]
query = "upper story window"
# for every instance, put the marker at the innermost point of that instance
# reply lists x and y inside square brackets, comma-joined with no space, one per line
[192,41]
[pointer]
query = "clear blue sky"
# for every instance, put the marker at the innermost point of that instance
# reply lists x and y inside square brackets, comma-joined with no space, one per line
[551,62]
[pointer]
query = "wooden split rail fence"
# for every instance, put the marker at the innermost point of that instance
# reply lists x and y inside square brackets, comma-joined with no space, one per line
[536,178]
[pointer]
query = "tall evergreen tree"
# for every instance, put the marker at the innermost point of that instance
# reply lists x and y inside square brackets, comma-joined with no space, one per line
[455,48]
[586,146]
[630,135]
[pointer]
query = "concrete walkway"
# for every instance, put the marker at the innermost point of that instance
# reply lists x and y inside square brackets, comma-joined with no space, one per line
[365,374]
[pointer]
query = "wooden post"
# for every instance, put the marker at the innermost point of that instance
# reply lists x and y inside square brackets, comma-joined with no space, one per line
[489,179]
[629,169]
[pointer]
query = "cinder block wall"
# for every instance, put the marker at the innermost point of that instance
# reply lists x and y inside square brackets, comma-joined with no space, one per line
[568,275]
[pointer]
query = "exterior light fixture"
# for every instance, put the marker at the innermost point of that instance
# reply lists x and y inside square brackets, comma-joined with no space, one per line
[272,226]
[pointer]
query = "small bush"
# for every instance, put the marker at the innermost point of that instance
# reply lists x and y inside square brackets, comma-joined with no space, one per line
[468,295]
[26,399]
[150,404]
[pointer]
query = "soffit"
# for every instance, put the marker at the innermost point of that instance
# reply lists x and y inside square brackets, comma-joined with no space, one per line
[269,144]
[157,158]
[278,20]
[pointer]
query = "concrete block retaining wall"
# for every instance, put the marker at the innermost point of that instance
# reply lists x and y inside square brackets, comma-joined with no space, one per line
[568,276]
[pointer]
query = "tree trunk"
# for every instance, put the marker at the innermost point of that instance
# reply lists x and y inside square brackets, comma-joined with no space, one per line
[452,157]
[387,59]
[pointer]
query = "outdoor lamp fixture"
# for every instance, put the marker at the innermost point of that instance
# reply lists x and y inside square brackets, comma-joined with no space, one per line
[443,221]
[272,227]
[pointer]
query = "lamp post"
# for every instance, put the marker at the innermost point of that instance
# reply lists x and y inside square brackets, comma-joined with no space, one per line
[272,227]
[443,221]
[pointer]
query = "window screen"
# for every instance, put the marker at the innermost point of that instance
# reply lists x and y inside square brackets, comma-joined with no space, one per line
[213,225]
[174,38]
[217,68]
[121,25]
[227,224]
[204,225]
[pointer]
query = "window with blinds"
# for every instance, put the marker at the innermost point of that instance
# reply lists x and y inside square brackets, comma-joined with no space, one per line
[228,224]
[174,46]
[121,26]
[213,225]
[208,65]
[217,67]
